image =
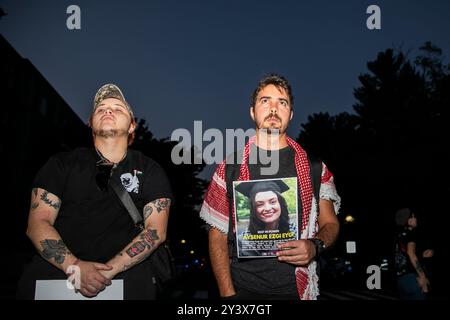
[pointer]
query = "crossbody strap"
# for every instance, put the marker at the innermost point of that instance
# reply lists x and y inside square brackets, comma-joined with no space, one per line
[315,164]
[127,202]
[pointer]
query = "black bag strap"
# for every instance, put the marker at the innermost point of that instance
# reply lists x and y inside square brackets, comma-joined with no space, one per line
[127,202]
[315,169]
[230,172]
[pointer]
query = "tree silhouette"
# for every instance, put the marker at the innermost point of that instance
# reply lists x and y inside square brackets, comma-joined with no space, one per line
[392,152]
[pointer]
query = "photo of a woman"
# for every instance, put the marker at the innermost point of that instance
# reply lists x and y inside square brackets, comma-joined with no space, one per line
[263,215]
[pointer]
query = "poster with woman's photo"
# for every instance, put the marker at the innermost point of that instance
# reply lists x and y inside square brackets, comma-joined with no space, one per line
[266,214]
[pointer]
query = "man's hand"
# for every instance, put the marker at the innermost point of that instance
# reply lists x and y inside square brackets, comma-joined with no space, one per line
[301,252]
[423,283]
[429,253]
[110,273]
[297,252]
[91,279]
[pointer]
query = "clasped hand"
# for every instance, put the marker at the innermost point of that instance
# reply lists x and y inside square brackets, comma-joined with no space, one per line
[297,252]
[92,281]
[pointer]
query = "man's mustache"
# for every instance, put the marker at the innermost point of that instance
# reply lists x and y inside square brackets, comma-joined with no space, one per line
[273,116]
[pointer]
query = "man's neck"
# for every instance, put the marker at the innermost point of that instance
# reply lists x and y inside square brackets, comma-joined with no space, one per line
[113,149]
[268,141]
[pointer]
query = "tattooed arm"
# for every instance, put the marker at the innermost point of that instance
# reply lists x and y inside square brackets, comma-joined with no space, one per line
[156,215]
[43,212]
[422,278]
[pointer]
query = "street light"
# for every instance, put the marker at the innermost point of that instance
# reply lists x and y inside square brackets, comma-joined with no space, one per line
[349,219]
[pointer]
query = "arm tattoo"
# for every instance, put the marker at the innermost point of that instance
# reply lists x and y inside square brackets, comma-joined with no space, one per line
[161,204]
[147,241]
[54,249]
[148,209]
[139,260]
[419,266]
[44,197]
[34,203]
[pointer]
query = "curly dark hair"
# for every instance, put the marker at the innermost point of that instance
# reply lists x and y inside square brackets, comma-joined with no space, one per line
[256,225]
[278,81]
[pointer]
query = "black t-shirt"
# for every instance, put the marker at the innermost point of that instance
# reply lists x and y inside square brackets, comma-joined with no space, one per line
[403,264]
[94,224]
[268,275]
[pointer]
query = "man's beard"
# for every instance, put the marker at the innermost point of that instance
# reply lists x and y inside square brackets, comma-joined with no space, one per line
[273,128]
[112,133]
[271,131]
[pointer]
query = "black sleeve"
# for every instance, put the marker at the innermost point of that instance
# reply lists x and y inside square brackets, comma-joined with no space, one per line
[156,184]
[411,236]
[51,177]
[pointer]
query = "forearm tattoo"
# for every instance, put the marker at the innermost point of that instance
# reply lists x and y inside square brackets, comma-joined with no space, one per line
[147,241]
[148,209]
[419,267]
[34,203]
[135,262]
[161,204]
[44,197]
[54,249]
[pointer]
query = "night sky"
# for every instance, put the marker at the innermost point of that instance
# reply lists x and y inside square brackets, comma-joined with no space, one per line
[180,61]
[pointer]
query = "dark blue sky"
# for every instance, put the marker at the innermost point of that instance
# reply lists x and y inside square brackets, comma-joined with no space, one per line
[180,61]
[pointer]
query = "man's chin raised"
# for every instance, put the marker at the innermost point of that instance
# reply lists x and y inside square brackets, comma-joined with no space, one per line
[110,133]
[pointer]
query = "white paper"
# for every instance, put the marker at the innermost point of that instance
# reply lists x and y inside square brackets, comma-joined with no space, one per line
[58,290]
[351,246]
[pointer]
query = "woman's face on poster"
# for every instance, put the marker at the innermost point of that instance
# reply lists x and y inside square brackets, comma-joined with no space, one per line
[267,206]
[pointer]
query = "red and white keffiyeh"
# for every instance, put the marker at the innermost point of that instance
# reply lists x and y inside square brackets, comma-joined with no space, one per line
[215,209]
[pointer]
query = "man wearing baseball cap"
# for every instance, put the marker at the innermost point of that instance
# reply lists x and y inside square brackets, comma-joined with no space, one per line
[77,220]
